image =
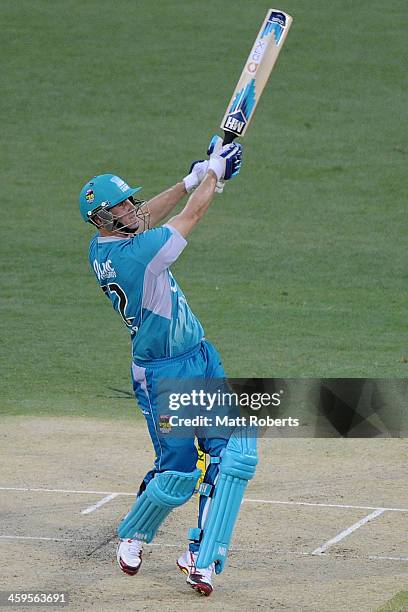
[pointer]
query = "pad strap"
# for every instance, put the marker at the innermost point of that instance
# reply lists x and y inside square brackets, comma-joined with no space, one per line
[194,534]
[205,489]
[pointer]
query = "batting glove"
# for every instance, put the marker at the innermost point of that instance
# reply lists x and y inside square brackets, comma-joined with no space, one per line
[226,163]
[215,146]
[198,168]
[197,172]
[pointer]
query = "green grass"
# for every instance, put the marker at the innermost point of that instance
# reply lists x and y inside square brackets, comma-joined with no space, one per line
[299,268]
[399,603]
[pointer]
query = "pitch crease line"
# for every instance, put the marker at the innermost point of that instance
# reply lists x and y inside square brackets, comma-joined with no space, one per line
[377,557]
[168,545]
[343,534]
[6,537]
[100,503]
[39,489]
[323,505]
[246,499]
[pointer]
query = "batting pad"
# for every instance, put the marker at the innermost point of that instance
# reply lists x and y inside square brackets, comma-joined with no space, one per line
[165,492]
[237,467]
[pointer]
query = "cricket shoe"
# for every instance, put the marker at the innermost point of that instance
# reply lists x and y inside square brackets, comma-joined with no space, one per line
[129,556]
[199,579]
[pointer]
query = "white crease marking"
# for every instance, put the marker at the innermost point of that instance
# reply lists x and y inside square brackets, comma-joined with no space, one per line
[100,503]
[343,534]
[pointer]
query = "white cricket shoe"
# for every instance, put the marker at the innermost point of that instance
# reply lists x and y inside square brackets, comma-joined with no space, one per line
[129,556]
[199,579]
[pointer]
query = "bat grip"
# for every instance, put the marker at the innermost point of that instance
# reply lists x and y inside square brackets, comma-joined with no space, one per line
[228,137]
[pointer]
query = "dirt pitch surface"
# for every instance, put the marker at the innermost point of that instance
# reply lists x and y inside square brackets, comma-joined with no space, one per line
[312,535]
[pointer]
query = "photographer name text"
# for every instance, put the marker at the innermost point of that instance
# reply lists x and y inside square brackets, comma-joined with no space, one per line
[225,421]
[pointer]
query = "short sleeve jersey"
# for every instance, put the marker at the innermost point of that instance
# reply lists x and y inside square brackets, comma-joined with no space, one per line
[134,274]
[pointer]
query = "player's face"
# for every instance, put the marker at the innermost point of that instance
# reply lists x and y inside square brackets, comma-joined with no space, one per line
[125,212]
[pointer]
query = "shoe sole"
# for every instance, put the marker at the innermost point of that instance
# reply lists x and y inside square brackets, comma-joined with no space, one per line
[127,569]
[201,587]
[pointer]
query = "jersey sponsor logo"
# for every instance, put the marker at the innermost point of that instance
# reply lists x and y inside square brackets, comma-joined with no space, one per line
[104,270]
[120,183]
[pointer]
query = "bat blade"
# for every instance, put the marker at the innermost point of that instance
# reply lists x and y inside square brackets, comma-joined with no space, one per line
[258,67]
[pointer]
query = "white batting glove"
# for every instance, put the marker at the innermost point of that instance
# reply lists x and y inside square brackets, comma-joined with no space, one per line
[215,146]
[226,164]
[198,170]
[225,161]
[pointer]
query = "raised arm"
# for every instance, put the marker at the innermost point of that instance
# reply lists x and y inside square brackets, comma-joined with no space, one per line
[197,204]
[162,204]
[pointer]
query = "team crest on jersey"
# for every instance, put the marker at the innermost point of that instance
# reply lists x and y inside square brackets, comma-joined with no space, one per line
[164,423]
[90,196]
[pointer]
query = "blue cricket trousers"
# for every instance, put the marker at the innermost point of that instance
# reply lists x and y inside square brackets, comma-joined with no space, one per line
[172,453]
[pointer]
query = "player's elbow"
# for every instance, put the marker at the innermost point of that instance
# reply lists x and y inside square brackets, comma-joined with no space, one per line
[192,216]
[196,216]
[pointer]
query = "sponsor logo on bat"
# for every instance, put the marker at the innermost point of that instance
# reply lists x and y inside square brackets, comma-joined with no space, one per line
[278,18]
[276,24]
[235,122]
[256,55]
[258,50]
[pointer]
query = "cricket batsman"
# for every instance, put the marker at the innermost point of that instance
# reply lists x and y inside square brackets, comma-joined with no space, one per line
[132,263]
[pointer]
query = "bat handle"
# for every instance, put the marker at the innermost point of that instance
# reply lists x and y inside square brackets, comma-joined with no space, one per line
[228,137]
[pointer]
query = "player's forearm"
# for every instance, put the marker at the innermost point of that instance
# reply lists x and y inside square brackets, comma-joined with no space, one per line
[162,204]
[197,205]
[199,202]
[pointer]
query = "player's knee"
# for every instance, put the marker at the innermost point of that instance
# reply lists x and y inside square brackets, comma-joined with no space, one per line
[213,446]
[167,490]
[172,488]
[240,457]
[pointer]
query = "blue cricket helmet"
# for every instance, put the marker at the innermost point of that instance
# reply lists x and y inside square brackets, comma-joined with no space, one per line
[104,189]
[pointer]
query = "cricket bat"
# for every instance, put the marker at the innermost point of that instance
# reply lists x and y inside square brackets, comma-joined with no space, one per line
[256,72]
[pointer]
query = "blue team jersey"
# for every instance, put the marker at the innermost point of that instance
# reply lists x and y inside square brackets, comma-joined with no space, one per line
[134,274]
